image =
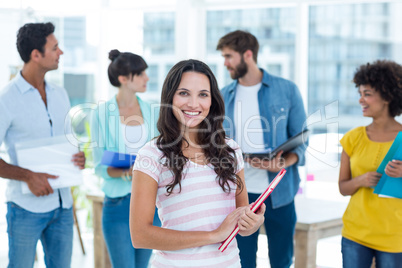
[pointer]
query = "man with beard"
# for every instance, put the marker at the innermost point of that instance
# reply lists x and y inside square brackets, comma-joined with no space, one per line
[262,112]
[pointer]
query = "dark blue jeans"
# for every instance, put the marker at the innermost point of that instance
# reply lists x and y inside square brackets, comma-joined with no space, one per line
[116,230]
[355,255]
[54,229]
[280,227]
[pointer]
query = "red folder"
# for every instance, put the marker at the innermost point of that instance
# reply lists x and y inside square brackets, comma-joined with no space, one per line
[254,208]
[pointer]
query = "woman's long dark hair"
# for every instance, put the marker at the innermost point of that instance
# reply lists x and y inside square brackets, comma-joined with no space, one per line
[212,137]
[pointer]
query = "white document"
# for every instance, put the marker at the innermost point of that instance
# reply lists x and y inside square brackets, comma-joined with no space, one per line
[385,196]
[53,156]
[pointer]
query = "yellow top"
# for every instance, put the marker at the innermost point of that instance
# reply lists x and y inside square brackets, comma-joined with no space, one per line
[370,220]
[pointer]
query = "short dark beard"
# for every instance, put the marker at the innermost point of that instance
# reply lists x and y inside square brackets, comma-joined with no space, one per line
[240,70]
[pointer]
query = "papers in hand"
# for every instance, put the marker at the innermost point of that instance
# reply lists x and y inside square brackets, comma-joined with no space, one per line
[388,186]
[117,160]
[53,156]
[257,204]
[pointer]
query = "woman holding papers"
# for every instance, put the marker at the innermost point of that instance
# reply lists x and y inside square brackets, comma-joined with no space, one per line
[122,124]
[193,174]
[372,225]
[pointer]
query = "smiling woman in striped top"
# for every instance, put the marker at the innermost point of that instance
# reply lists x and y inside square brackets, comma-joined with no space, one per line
[194,175]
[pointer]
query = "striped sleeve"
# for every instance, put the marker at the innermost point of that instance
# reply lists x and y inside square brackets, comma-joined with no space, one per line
[239,154]
[148,161]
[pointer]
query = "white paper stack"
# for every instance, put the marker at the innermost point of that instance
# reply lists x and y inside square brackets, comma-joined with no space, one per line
[53,156]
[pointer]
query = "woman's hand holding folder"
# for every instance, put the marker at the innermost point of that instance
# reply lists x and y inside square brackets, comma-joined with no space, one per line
[254,207]
[394,169]
[227,226]
[245,218]
[249,221]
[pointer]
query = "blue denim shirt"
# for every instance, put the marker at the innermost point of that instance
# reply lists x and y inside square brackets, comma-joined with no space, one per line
[282,116]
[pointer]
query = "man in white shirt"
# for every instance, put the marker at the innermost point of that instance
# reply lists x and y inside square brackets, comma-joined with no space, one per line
[31,109]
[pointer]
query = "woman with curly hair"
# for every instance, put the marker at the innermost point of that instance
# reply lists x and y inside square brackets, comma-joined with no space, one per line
[193,174]
[372,225]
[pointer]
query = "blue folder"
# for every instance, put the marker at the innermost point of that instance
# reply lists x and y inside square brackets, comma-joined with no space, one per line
[117,160]
[387,185]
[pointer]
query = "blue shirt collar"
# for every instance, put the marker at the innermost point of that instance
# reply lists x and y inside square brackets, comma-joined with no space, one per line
[24,86]
[266,77]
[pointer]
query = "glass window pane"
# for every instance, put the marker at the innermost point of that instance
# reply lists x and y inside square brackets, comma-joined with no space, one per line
[152,72]
[78,74]
[359,33]
[159,32]
[275,29]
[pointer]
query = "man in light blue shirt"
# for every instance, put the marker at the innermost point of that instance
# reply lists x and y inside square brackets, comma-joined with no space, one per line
[30,109]
[263,111]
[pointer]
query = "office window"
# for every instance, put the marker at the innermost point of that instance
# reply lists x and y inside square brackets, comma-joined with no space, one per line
[359,33]
[152,72]
[159,33]
[159,49]
[77,72]
[275,29]
[80,87]
[274,69]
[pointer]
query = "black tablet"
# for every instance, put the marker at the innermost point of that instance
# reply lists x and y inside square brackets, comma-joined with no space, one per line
[287,146]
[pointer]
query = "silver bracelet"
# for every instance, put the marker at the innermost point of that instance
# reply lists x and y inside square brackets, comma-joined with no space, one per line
[126,176]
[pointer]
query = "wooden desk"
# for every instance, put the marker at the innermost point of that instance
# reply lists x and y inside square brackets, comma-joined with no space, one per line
[316,219]
[101,256]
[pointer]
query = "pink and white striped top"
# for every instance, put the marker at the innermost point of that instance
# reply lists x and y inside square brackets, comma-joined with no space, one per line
[201,205]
